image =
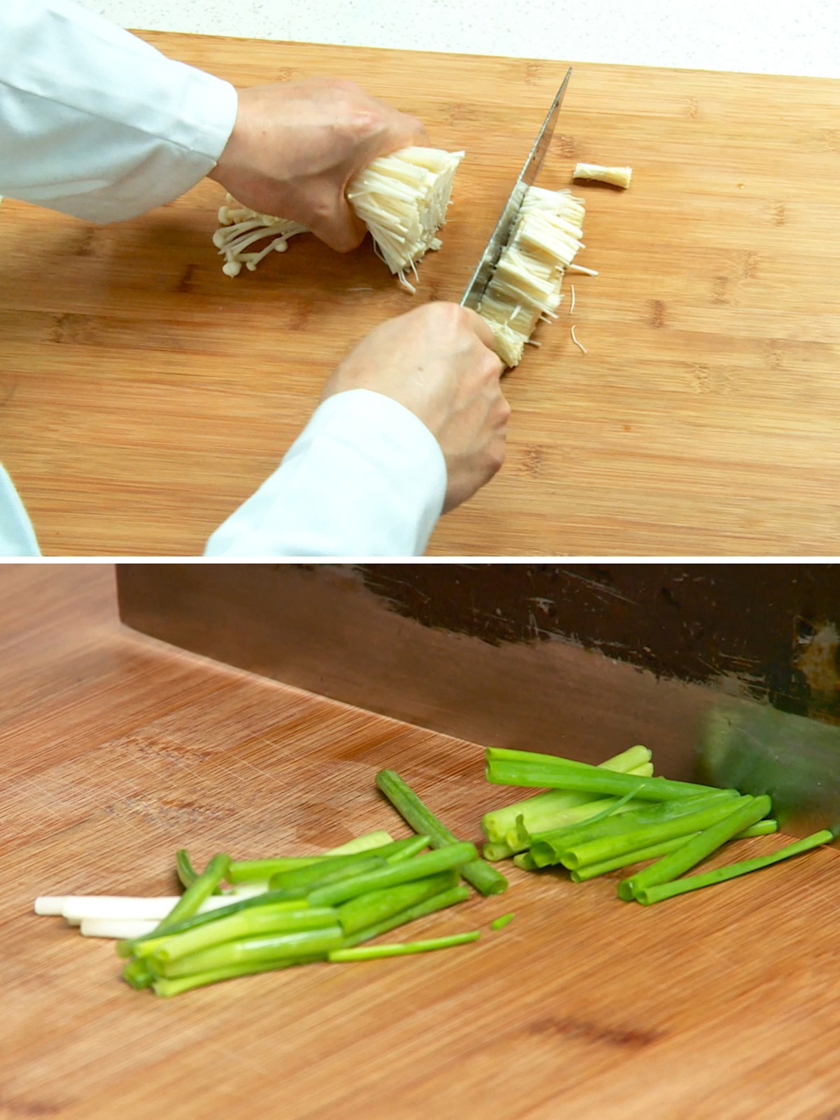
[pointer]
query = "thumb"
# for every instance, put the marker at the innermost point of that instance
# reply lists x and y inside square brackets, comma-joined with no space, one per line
[341,229]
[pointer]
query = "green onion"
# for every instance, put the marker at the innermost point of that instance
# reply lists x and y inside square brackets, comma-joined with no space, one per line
[454,855]
[593,870]
[671,866]
[137,975]
[283,946]
[367,842]
[299,882]
[174,987]
[186,872]
[648,895]
[430,906]
[258,870]
[484,878]
[247,923]
[607,847]
[268,898]
[654,851]
[498,822]
[549,847]
[519,768]
[501,921]
[406,849]
[496,852]
[373,907]
[199,890]
[525,861]
[370,952]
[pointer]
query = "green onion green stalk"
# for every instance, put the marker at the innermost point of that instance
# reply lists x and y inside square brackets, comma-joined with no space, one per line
[484,878]
[372,952]
[523,768]
[658,892]
[741,815]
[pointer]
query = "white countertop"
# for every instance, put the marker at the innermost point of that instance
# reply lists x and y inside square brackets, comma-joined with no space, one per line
[758,36]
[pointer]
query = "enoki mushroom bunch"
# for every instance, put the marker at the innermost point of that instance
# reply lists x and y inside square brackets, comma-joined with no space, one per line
[401,198]
[525,287]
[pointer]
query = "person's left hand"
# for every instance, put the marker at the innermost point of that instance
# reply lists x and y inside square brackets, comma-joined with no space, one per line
[296,145]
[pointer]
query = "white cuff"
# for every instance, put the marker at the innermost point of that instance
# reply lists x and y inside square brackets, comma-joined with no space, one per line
[96,123]
[366,477]
[17,537]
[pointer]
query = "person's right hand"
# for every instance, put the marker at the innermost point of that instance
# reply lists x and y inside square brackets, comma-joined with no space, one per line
[438,362]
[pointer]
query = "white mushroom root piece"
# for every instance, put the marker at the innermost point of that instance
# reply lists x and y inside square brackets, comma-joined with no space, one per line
[525,286]
[617,176]
[401,198]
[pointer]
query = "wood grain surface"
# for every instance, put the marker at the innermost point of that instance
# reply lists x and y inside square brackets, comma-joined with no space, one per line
[117,750]
[145,394]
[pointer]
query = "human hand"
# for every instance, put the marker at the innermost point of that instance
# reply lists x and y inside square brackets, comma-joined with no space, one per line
[296,145]
[437,361]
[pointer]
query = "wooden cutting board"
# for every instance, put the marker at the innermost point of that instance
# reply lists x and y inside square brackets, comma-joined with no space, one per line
[146,394]
[724,1005]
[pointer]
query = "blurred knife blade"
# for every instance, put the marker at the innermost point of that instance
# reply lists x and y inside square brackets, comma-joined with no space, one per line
[498,239]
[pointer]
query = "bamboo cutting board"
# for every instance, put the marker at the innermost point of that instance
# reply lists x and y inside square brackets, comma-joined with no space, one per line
[146,394]
[723,1005]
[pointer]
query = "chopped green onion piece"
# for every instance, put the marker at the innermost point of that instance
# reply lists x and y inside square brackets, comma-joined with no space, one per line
[259,870]
[370,952]
[186,872]
[197,891]
[137,975]
[505,767]
[269,898]
[299,882]
[593,870]
[377,906]
[408,848]
[607,847]
[498,822]
[654,851]
[247,923]
[430,906]
[174,987]
[658,892]
[495,852]
[549,847]
[501,921]
[553,822]
[525,862]
[270,947]
[713,835]
[365,843]
[484,878]
[454,855]
[760,828]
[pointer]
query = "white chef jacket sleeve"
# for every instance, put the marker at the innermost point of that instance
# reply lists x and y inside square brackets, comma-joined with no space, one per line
[366,477]
[96,123]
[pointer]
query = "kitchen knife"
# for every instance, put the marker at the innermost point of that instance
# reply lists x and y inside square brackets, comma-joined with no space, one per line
[499,238]
[758,749]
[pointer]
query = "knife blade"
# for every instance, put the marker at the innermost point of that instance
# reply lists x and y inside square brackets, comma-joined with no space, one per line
[499,237]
